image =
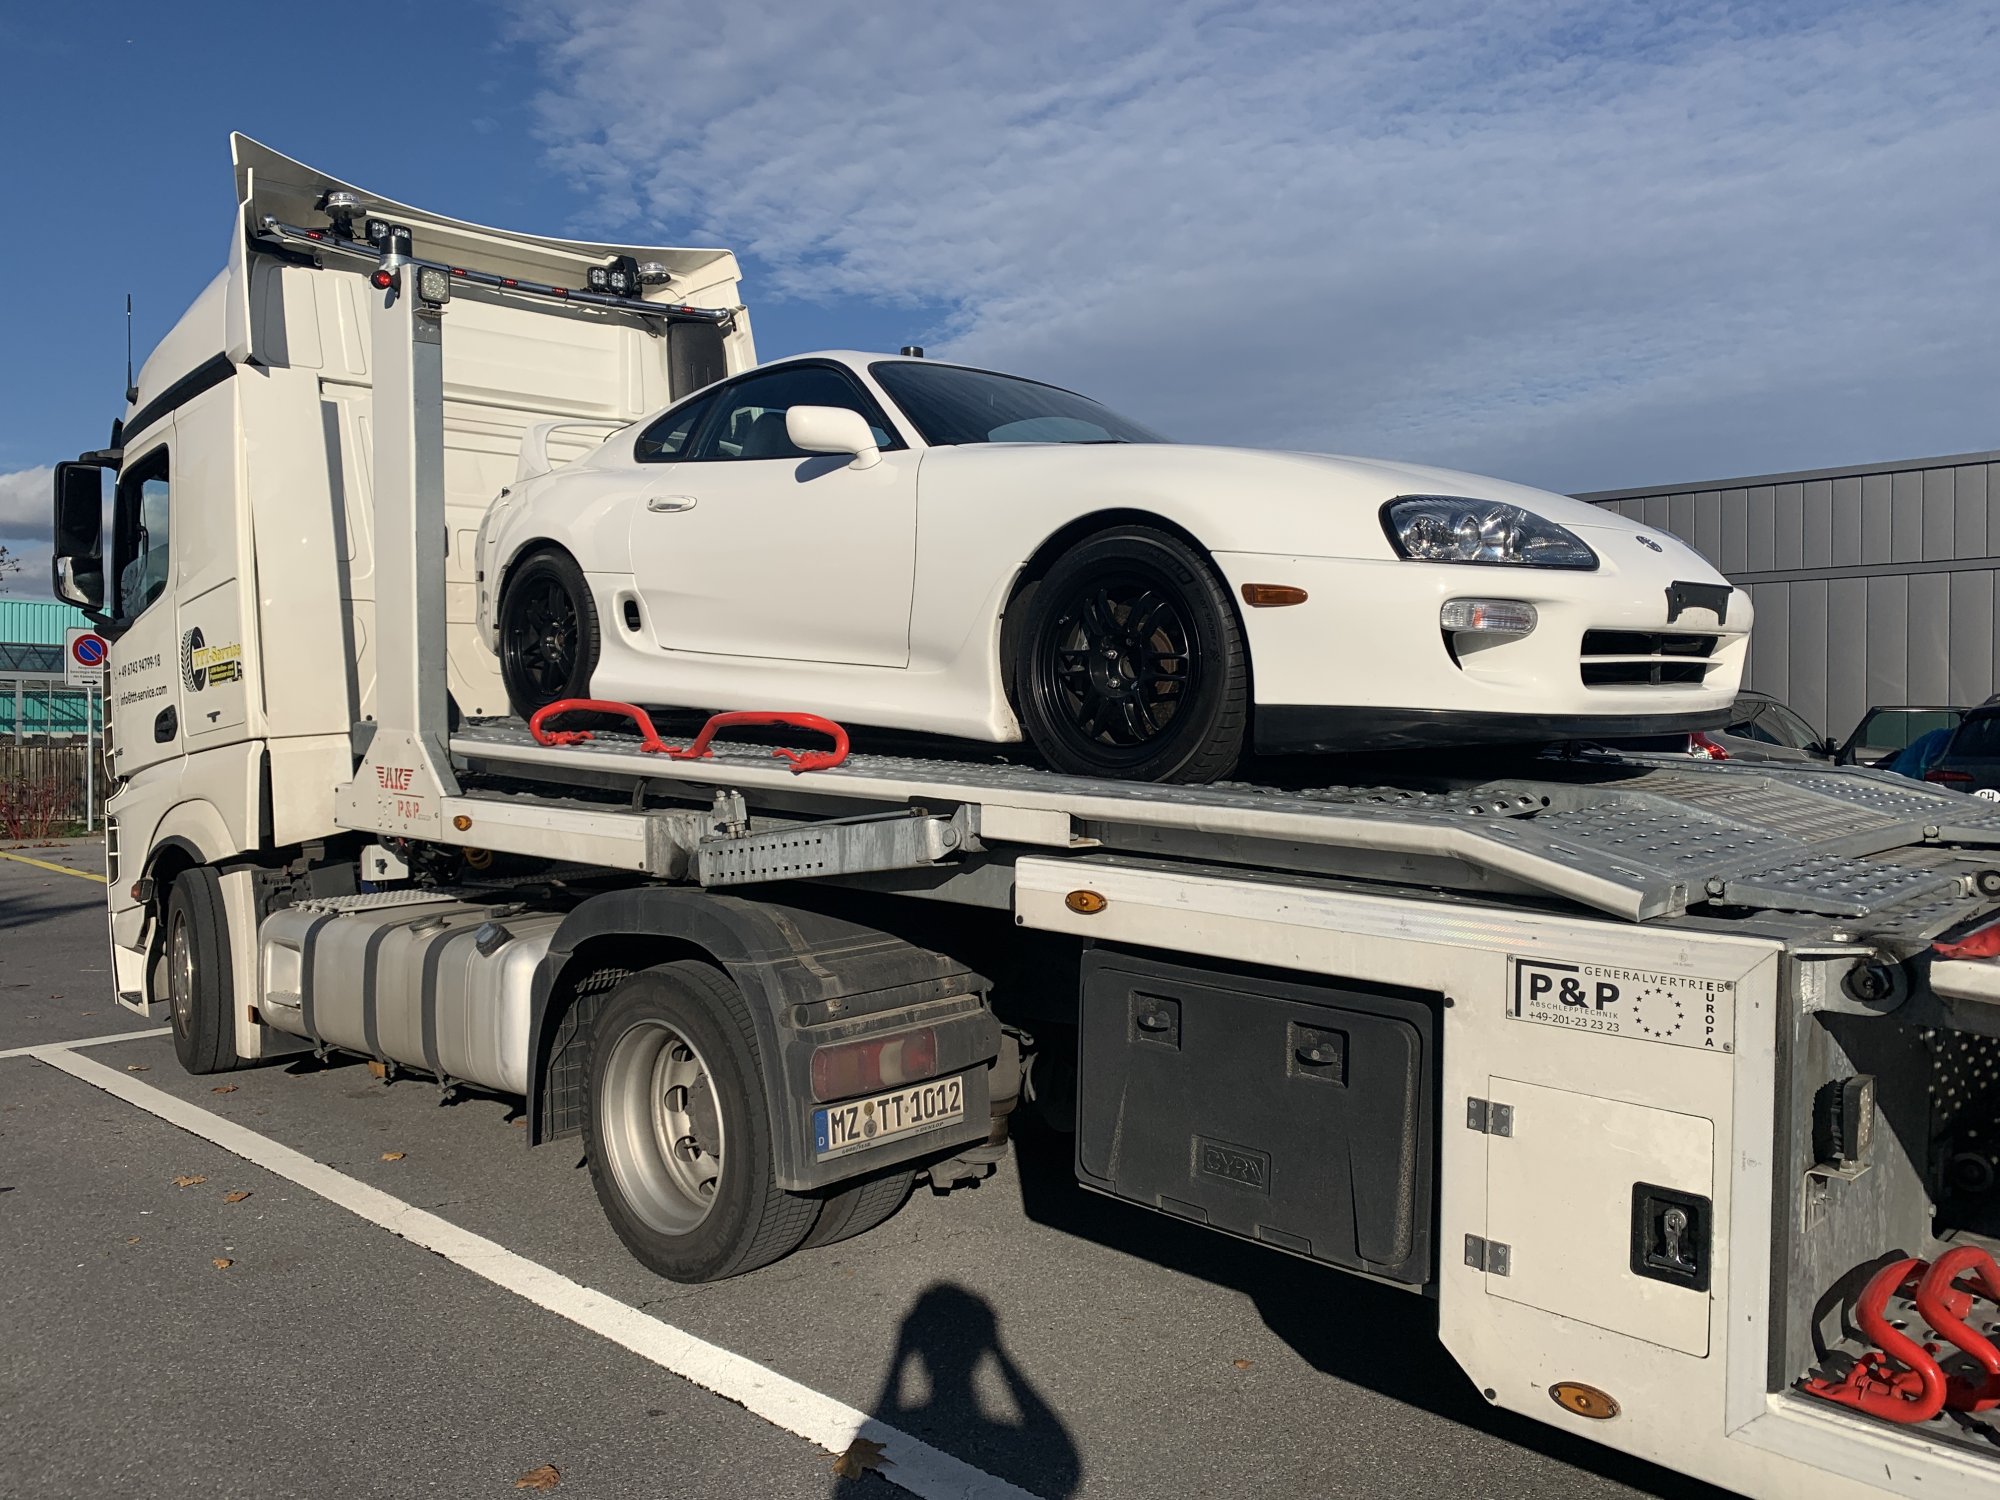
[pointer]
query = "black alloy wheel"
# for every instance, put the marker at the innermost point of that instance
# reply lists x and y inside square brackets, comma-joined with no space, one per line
[548,633]
[1132,662]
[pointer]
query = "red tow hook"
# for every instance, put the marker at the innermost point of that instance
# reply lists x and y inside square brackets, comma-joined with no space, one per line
[1913,1394]
[651,743]
[1943,1304]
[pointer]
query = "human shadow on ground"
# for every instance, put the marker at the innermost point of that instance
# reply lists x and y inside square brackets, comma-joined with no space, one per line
[934,1391]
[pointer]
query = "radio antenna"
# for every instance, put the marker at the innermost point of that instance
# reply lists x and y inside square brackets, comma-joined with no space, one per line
[131,390]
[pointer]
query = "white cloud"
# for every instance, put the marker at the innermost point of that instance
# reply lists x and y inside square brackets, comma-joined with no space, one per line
[24,503]
[1586,245]
[24,530]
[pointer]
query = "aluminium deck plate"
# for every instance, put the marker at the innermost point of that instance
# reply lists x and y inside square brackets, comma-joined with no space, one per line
[1639,837]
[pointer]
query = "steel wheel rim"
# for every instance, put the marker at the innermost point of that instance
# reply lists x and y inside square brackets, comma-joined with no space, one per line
[180,975]
[662,1127]
[543,636]
[1119,663]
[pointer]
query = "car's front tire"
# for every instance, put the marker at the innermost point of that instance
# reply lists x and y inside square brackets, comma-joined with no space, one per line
[548,632]
[1131,662]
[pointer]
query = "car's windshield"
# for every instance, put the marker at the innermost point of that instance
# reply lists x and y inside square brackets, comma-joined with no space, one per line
[950,404]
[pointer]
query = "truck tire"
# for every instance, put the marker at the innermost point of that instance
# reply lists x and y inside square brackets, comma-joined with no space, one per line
[200,981]
[676,1130]
[858,1207]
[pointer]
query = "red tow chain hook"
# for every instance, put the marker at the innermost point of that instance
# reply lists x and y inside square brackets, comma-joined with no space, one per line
[1943,1304]
[1914,1393]
[652,744]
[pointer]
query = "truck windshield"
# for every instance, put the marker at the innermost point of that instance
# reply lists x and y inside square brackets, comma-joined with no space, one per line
[950,404]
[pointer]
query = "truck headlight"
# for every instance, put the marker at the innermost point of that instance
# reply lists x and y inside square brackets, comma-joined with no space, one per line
[1443,528]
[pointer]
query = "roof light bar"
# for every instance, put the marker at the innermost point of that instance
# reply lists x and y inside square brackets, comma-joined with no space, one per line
[395,241]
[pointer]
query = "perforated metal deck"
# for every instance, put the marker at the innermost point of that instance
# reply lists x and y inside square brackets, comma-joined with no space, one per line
[1639,837]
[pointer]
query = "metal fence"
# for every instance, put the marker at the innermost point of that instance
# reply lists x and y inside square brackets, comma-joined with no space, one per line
[51,771]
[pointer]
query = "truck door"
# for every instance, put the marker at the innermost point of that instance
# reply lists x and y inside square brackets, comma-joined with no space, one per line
[143,688]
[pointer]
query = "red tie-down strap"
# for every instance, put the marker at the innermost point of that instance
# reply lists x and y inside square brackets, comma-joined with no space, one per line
[1981,942]
[698,749]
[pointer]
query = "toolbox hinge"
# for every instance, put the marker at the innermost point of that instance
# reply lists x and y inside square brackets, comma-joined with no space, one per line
[1489,1118]
[1490,1256]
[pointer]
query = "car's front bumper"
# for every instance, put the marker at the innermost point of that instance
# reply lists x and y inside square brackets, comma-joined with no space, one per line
[1363,664]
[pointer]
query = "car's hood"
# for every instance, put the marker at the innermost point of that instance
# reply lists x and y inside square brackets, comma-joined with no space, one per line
[1261,500]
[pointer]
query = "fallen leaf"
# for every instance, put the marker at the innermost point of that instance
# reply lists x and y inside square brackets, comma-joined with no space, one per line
[222,1262]
[223,1088]
[137,1068]
[1241,1364]
[131,1239]
[547,1477]
[862,1455]
[392,1156]
[379,1069]
[189,1181]
[519,1124]
[234,1197]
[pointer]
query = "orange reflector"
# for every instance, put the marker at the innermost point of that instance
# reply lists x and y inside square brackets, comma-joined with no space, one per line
[1085,903]
[1584,1400]
[461,822]
[1271,595]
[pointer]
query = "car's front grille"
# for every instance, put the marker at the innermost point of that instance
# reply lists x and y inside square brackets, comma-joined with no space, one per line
[1645,658]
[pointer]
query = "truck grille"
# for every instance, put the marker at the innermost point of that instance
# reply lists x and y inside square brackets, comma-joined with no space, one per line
[1645,658]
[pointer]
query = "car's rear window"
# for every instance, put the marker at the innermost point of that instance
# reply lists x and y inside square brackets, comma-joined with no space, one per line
[1977,739]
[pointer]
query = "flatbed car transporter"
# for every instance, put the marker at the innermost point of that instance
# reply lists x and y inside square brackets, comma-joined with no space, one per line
[1672,1084]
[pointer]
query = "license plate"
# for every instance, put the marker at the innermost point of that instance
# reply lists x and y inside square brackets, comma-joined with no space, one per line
[861,1123]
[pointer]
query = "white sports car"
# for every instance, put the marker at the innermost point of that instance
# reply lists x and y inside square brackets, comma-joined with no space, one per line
[910,544]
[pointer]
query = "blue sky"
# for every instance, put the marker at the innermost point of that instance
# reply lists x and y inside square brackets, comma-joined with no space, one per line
[1580,245]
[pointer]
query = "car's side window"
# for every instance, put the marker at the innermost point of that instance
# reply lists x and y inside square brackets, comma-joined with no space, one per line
[749,420]
[667,439]
[141,523]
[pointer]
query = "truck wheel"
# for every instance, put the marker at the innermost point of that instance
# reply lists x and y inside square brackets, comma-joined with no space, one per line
[676,1131]
[548,633]
[858,1207]
[200,983]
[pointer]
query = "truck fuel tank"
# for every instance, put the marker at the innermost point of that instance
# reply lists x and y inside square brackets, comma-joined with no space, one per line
[411,977]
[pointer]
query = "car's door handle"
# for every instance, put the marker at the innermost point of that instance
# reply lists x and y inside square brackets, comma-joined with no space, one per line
[670,502]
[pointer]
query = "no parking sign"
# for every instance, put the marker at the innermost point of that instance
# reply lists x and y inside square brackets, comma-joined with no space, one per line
[84,654]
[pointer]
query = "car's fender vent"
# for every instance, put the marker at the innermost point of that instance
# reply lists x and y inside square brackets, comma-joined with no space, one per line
[1645,658]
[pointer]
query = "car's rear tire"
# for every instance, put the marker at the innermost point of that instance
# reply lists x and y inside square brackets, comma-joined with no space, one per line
[677,1132]
[549,637]
[857,1207]
[1131,662]
[200,985]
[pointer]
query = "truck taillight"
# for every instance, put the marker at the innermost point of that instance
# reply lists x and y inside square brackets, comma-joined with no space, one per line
[841,1072]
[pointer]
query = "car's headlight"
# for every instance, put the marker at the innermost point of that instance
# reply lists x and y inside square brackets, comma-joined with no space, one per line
[1442,528]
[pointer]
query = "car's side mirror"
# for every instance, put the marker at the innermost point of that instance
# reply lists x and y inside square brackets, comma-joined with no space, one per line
[833,429]
[77,570]
[1827,747]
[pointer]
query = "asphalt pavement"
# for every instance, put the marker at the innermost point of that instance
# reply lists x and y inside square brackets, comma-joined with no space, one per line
[180,1319]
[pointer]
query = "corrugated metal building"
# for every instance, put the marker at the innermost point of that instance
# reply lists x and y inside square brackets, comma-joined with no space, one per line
[1872,585]
[33,700]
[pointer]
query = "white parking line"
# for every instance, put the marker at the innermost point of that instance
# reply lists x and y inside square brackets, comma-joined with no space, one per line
[87,1041]
[783,1402]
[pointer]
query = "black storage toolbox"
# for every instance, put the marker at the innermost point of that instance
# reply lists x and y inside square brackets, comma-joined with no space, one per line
[1294,1113]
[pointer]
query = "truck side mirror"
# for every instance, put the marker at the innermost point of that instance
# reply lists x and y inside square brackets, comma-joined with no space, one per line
[78,566]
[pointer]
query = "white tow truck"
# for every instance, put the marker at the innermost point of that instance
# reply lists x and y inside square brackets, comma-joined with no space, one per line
[1672,1084]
